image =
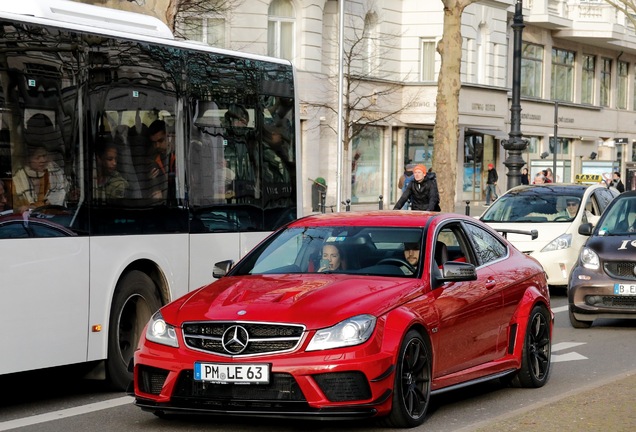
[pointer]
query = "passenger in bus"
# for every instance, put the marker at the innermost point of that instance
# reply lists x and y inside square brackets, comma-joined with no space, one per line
[236,116]
[39,182]
[110,184]
[275,156]
[162,169]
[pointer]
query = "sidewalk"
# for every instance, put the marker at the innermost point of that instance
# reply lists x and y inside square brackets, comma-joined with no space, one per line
[476,208]
[606,407]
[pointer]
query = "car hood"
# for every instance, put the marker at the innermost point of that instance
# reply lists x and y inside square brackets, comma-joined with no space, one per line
[547,232]
[315,300]
[613,248]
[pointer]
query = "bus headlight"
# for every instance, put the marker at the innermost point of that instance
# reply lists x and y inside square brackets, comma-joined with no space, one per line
[161,332]
[352,331]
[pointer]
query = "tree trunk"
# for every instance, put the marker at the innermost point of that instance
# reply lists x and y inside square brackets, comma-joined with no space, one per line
[446,129]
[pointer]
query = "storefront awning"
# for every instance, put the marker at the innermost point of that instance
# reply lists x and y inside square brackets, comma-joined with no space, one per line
[498,134]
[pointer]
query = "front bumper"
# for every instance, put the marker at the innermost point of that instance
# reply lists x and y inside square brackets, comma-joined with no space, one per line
[316,385]
[591,295]
[557,264]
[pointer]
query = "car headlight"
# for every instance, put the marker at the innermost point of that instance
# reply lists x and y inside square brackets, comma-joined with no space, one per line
[352,331]
[562,242]
[589,259]
[161,332]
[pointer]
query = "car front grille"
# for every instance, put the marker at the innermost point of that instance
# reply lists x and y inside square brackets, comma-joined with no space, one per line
[239,339]
[619,302]
[620,269]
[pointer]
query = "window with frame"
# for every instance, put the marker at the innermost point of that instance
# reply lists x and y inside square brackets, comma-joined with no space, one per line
[621,85]
[209,30]
[366,165]
[280,29]
[371,41]
[531,70]
[588,79]
[606,81]
[563,148]
[562,75]
[427,60]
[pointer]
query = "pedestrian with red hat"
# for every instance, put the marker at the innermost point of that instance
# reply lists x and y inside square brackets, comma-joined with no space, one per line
[422,191]
[491,184]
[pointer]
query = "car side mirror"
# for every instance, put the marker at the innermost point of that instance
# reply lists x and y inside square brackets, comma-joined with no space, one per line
[456,271]
[586,229]
[222,268]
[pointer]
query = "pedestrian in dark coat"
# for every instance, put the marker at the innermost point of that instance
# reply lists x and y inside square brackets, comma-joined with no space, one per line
[422,191]
[616,182]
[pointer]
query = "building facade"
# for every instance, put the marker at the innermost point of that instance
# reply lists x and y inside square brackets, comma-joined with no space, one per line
[578,84]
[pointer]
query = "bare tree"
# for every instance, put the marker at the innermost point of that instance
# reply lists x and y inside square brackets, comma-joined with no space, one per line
[628,7]
[371,95]
[172,11]
[446,129]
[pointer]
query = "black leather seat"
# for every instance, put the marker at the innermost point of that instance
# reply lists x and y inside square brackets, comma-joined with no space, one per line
[441,253]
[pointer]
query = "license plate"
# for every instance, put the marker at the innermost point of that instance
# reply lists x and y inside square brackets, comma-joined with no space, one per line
[625,289]
[232,373]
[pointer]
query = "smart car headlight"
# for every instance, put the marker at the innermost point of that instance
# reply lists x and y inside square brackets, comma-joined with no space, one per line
[564,241]
[589,259]
[161,332]
[352,331]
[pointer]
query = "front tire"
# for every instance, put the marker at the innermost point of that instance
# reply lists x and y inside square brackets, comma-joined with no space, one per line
[579,324]
[135,301]
[412,386]
[537,346]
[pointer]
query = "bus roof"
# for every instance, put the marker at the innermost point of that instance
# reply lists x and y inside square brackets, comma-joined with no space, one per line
[71,12]
[72,15]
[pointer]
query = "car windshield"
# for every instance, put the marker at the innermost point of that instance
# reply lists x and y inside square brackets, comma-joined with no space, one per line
[620,218]
[536,204]
[335,249]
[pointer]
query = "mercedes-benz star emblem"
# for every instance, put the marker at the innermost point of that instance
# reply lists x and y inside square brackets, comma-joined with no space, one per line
[235,339]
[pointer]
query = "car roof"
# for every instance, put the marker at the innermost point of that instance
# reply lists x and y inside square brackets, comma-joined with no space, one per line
[556,188]
[394,218]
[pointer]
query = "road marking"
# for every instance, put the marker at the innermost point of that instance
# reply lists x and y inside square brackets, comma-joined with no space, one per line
[560,309]
[556,358]
[70,412]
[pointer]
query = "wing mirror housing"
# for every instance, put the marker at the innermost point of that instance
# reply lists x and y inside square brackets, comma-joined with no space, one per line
[221,268]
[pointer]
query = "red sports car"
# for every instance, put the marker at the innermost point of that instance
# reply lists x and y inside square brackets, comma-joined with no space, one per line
[351,315]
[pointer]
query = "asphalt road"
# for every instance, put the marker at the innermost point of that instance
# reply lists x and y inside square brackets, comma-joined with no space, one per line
[592,387]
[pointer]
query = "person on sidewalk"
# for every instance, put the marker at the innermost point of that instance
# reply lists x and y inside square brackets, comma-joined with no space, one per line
[422,191]
[616,182]
[491,184]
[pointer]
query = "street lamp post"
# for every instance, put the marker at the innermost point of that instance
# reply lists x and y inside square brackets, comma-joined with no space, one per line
[515,145]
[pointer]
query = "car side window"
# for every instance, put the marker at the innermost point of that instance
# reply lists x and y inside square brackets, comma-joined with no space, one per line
[451,245]
[487,246]
[604,197]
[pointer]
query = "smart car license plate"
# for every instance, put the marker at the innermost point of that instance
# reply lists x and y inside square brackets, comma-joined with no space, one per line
[625,289]
[232,373]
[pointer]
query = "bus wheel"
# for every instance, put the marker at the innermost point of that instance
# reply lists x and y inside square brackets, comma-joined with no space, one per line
[134,303]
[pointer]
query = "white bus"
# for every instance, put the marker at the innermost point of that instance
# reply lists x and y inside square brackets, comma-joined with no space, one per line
[131,163]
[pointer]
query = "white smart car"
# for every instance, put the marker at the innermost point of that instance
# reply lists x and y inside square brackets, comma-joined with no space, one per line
[555,211]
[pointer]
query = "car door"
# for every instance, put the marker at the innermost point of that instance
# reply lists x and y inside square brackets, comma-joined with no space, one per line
[467,311]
